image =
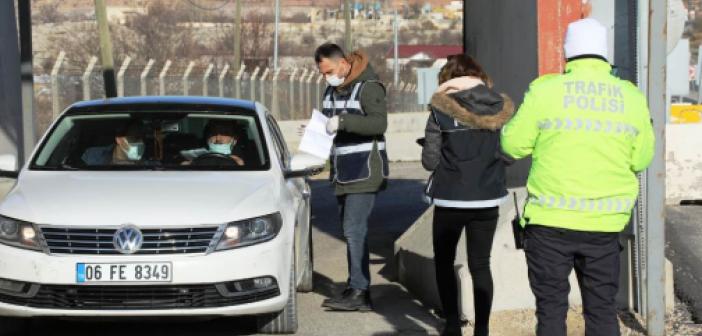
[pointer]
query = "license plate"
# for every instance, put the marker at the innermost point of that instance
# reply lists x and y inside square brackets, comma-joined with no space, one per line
[124,272]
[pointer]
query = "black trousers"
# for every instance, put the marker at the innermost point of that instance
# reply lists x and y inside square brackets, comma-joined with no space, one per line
[551,255]
[480,225]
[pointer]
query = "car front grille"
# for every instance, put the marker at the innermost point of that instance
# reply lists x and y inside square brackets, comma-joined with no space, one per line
[156,241]
[136,297]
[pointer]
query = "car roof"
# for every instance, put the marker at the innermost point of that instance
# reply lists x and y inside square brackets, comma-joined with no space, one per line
[160,103]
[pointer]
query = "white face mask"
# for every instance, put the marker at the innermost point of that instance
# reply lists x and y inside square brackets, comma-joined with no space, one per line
[335,80]
[134,151]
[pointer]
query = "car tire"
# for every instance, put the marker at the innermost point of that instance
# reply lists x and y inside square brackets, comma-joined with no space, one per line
[285,321]
[10,326]
[307,276]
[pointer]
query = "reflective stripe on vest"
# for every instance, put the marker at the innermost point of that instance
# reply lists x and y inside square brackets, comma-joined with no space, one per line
[350,105]
[583,204]
[327,104]
[588,125]
[365,147]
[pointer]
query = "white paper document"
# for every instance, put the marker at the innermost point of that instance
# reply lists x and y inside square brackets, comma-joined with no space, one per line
[316,140]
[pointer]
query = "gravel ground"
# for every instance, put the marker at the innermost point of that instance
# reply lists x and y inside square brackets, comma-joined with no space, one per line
[523,322]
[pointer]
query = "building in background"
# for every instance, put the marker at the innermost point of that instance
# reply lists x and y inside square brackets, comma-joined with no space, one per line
[419,56]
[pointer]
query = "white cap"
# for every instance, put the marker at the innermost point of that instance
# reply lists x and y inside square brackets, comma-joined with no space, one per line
[586,37]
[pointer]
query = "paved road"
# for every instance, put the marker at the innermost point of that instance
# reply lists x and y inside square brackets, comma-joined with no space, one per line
[684,249]
[396,312]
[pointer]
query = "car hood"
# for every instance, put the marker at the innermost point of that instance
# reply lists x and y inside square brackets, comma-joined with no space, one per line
[140,198]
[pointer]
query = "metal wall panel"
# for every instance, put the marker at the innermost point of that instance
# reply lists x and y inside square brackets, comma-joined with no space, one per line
[10,97]
[502,35]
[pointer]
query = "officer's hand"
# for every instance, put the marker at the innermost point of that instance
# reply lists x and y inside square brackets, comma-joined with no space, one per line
[333,125]
[301,129]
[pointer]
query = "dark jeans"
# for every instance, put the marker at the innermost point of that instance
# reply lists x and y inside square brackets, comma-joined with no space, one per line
[551,255]
[480,225]
[354,210]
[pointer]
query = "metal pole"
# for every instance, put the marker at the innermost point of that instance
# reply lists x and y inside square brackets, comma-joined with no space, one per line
[108,65]
[162,78]
[318,100]
[120,76]
[301,92]
[291,106]
[144,74]
[27,74]
[655,198]
[396,61]
[252,83]
[86,77]
[237,36]
[308,94]
[237,83]
[186,78]
[222,76]
[262,82]
[276,34]
[274,94]
[347,21]
[55,95]
[205,80]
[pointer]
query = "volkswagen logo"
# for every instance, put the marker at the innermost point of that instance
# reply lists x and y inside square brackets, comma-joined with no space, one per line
[128,239]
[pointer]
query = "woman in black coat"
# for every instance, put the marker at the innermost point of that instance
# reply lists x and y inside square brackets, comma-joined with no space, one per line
[462,149]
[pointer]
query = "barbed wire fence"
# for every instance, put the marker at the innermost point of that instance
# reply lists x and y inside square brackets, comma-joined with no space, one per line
[289,93]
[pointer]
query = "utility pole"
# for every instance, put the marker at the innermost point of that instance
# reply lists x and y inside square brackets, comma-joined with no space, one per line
[396,64]
[108,64]
[276,36]
[237,36]
[27,75]
[655,175]
[347,18]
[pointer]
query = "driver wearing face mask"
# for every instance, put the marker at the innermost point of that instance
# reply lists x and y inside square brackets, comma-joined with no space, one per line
[128,148]
[222,139]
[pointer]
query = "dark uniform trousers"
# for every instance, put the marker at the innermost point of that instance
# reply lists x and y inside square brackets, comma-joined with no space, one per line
[552,254]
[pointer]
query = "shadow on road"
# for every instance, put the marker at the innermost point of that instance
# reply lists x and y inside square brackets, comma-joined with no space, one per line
[396,209]
[390,301]
[144,327]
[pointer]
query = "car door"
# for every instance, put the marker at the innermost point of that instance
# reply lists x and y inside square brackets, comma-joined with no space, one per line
[299,190]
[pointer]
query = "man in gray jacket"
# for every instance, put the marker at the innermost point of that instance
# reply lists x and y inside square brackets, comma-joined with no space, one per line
[355,103]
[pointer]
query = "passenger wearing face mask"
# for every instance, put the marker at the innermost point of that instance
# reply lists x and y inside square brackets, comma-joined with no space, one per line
[222,138]
[128,148]
[355,104]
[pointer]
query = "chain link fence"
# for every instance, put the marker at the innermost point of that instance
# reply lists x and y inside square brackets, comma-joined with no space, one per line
[289,93]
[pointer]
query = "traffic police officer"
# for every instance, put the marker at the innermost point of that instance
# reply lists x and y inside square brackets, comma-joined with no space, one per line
[355,103]
[588,134]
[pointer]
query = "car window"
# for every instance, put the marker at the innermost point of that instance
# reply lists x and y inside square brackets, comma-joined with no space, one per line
[279,142]
[155,141]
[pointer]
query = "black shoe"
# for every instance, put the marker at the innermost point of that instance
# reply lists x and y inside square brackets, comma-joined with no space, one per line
[452,330]
[353,300]
[336,298]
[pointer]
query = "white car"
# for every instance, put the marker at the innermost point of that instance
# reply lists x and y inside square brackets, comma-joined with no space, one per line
[125,209]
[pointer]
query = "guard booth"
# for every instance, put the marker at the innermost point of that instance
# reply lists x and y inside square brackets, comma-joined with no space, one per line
[518,40]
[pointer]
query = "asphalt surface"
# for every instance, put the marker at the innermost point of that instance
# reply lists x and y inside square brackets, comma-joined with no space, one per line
[684,249]
[396,312]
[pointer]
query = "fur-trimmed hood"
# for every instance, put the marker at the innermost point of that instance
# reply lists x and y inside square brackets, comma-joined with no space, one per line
[478,107]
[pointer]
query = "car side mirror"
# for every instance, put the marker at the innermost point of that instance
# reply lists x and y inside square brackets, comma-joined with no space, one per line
[8,166]
[304,165]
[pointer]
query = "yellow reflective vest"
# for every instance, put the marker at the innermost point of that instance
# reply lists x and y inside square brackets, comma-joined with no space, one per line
[588,133]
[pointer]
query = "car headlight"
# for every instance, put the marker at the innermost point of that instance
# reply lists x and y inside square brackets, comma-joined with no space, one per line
[19,234]
[250,231]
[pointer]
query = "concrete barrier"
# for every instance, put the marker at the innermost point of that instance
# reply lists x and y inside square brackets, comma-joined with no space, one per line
[683,162]
[403,131]
[5,186]
[684,157]
[414,257]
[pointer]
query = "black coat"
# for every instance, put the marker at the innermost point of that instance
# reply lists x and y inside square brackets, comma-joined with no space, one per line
[462,147]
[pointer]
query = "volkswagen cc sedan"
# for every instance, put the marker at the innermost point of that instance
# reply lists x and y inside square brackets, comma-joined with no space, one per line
[158,206]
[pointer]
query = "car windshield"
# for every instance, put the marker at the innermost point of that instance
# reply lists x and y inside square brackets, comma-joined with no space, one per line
[154,141]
